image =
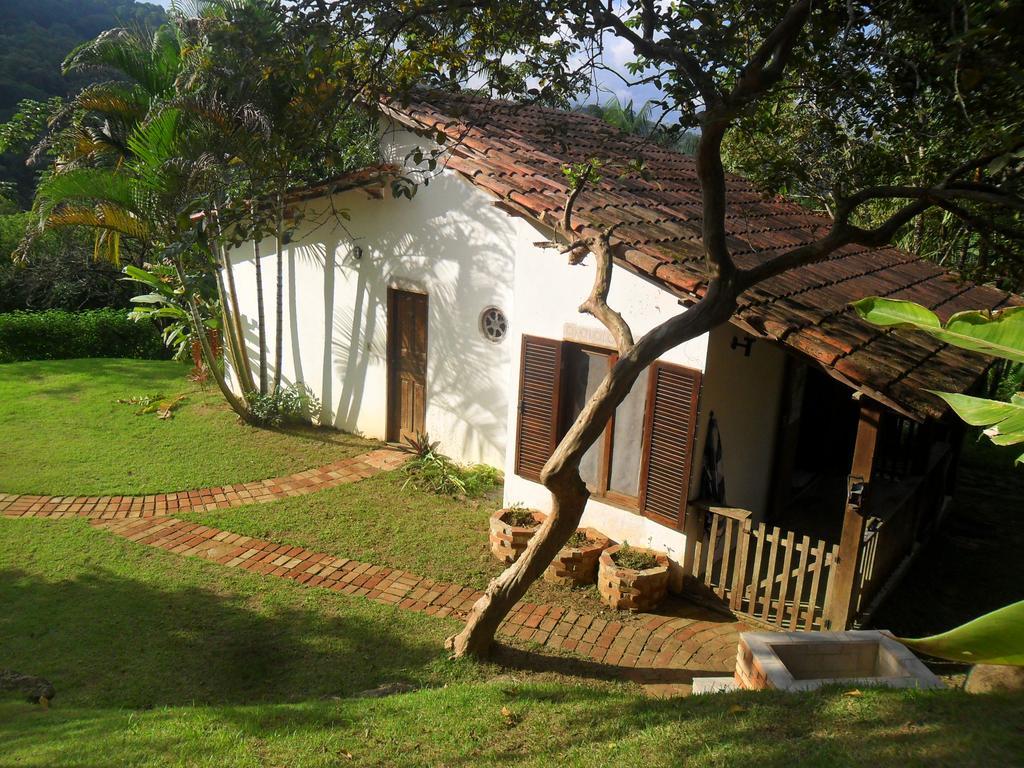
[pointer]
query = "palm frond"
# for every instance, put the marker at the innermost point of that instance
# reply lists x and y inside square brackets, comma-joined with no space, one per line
[105,216]
[152,145]
[84,186]
[152,64]
[112,99]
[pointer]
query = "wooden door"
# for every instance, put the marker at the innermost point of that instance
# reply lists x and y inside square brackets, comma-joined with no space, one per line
[407,364]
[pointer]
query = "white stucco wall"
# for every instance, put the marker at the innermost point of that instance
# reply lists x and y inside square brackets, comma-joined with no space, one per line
[448,242]
[745,394]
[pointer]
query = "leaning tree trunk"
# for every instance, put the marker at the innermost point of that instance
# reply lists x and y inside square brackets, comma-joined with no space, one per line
[279,351]
[235,316]
[235,349]
[509,587]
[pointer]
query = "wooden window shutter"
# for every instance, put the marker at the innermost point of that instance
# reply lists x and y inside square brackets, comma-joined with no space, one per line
[539,382]
[668,442]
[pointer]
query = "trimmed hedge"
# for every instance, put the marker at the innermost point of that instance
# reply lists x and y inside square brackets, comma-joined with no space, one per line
[55,334]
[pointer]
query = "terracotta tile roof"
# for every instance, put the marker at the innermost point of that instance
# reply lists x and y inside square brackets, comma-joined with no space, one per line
[517,152]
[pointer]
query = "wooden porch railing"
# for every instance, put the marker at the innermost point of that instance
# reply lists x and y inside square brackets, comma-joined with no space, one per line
[768,573]
[895,526]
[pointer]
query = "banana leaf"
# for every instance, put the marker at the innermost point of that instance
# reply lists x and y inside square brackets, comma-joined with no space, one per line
[1003,422]
[995,638]
[999,333]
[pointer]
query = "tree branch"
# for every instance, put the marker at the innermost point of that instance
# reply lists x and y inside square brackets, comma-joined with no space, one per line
[769,61]
[978,193]
[596,304]
[645,46]
[763,70]
[570,201]
[979,162]
[841,233]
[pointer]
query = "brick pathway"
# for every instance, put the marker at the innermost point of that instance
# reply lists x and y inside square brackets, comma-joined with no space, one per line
[162,504]
[665,650]
[662,651]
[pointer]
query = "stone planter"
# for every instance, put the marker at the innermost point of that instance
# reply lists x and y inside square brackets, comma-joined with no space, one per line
[625,589]
[577,566]
[805,661]
[509,541]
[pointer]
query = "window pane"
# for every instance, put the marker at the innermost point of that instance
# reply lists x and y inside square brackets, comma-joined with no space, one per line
[627,440]
[585,371]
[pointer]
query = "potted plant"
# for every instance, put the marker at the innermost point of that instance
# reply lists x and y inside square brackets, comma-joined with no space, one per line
[631,578]
[576,562]
[511,530]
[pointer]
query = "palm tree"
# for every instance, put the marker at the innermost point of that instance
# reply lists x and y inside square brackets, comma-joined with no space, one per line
[228,120]
[625,117]
[640,122]
[91,129]
[159,196]
[128,166]
[273,74]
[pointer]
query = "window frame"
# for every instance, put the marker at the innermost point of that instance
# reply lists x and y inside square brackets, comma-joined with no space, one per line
[606,453]
[557,419]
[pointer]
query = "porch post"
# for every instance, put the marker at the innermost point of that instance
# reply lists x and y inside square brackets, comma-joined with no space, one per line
[844,579]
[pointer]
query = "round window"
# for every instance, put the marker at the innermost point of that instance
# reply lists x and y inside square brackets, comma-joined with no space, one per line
[493,324]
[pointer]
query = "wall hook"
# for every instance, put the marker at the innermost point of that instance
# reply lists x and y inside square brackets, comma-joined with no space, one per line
[747,343]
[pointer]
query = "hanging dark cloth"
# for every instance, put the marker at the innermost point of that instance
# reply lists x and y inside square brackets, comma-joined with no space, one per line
[712,478]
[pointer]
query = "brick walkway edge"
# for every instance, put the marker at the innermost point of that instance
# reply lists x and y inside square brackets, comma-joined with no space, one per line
[652,642]
[161,504]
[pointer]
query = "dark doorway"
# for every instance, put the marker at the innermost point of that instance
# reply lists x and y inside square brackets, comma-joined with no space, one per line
[407,364]
[815,448]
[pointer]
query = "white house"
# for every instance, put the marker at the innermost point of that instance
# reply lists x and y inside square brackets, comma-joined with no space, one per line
[442,314]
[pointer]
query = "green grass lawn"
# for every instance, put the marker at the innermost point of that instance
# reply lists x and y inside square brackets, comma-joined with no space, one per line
[160,660]
[548,724]
[64,434]
[382,520]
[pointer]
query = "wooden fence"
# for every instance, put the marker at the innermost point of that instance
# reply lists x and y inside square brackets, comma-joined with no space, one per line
[891,535]
[763,571]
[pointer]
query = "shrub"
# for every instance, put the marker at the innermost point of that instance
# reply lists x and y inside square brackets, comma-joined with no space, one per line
[634,559]
[577,540]
[55,334]
[521,516]
[60,271]
[433,471]
[293,404]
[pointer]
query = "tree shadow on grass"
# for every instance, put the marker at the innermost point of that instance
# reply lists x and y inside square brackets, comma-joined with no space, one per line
[103,639]
[327,435]
[761,729]
[541,661]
